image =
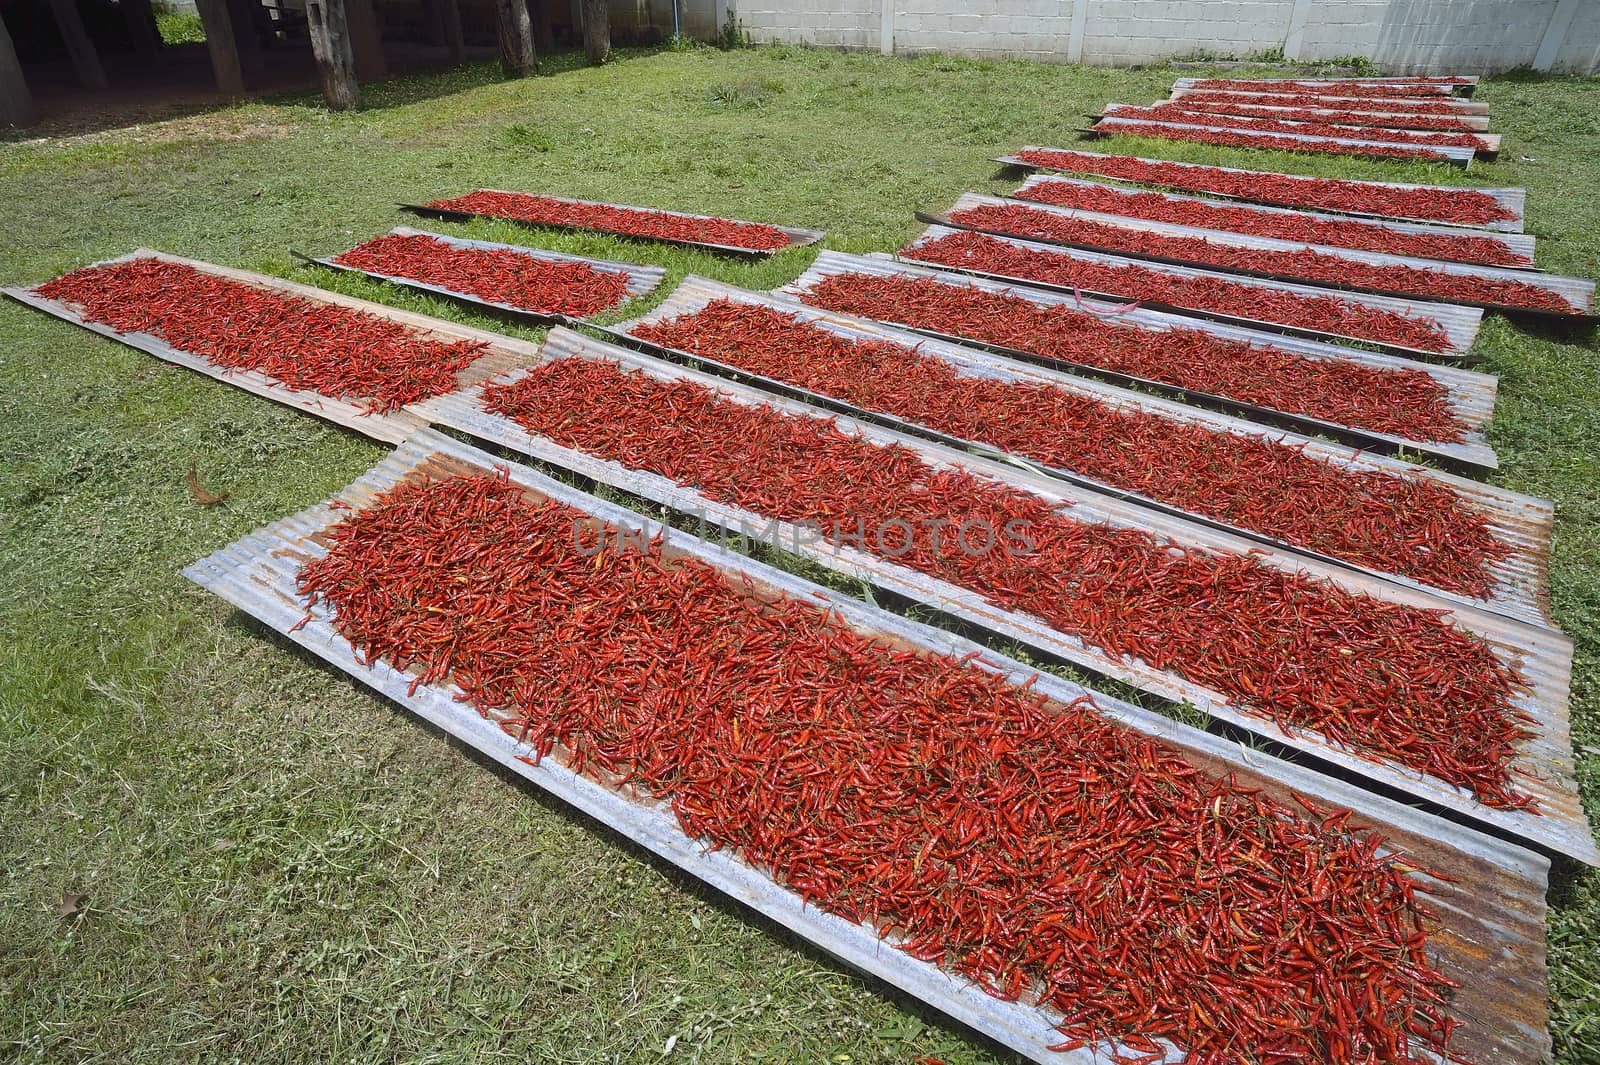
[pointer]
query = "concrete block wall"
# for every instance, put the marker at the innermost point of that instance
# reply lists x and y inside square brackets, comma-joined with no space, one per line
[1400,36]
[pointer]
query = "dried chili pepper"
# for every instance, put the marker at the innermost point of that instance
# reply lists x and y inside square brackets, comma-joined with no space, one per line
[1338,233]
[1417,87]
[1204,107]
[628,221]
[1400,402]
[1394,682]
[541,286]
[1328,314]
[1031,846]
[304,345]
[1330,100]
[1420,529]
[1303,263]
[1309,128]
[1269,142]
[1460,206]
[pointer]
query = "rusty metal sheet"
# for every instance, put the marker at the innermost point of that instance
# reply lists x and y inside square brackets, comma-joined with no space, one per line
[1392,119]
[502,353]
[1513,200]
[1490,936]
[1460,324]
[798,238]
[1578,291]
[1306,142]
[641,279]
[1487,144]
[1548,756]
[1516,243]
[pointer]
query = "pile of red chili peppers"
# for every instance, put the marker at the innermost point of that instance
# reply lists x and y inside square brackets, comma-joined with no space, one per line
[1461,206]
[1312,113]
[1327,314]
[1267,141]
[304,345]
[1338,233]
[542,286]
[1330,100]
[1419,87]
[1388,681]
[1412,527]
[627,221]
[1303,263]
[1400,402]
[1171,112]
[1034,847]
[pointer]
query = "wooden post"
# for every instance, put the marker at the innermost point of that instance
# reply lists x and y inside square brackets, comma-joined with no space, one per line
[366,39]
[544,34]
[597,30]
[16,102]
[223,45]
[336,61]
[142,29]
[444,28]
[85,60]
[517,56]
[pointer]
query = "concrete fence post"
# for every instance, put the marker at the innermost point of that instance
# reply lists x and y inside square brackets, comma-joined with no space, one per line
[886,26]
[1555,34]
[1080,24]
[1294,36]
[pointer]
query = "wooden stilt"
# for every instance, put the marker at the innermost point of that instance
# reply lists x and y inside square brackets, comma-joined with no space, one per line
[85,58]
[544,35]
[366,39]
[517,56]
[597,30]
[336,61]
[16,102]
[444,28]
[142,31]
[226,63]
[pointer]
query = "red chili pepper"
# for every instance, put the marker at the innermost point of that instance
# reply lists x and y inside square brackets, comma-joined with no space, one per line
[1017,220]
[629,221]
[1417,87]
[542,286]
[1034,847]
[1462,206]
[1308,127]
[1393,682]
[1420,529]
[1329,314]
[1267,141]
[1339,233]
[304,345]
[1296,109]
[1329,98]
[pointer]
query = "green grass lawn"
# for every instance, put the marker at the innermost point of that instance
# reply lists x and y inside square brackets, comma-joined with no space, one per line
[278,865]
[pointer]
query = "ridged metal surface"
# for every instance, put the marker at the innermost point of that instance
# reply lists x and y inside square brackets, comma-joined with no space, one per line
[1308,142]
[1487,145]
[1516,243]
[1458,105]
[1513,200]
[1435,88]
[1490,934]
[1543,657]
[1470,395]
[1393,119]
[798,238]
[1578,291]
[501,354]
[1523,522]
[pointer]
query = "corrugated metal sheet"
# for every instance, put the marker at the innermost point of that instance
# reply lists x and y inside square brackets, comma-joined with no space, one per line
[1491,938]
[502,353]
[1513,200]
[1467,82]
[1472,398]
[1456,104]
[1521,582]
[1459,324]
[1577,290]
[1543,657]
[1394,119]
[1516,243]
[1487,144]
[1307,142]
[640,279]
[798,238]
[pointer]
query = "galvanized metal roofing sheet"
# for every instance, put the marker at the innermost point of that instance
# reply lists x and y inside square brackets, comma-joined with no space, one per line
[1306,142]
[1543,657]
[1516,243]
[1512,199]
[502,352]
[1487,144]
[1398,118]
[1490,934]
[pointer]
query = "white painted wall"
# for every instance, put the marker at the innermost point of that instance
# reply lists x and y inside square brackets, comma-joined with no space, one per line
[1402,36]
